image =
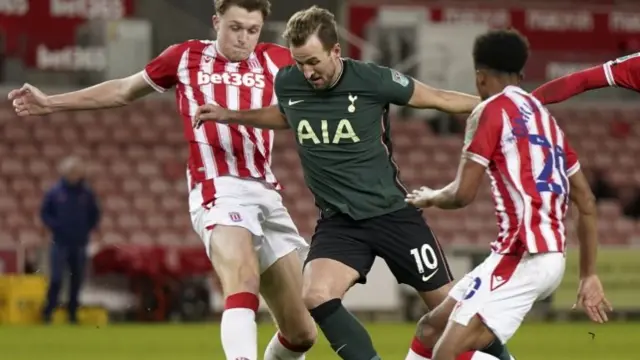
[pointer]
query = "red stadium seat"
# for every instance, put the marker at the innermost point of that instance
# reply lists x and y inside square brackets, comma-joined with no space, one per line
[136,160]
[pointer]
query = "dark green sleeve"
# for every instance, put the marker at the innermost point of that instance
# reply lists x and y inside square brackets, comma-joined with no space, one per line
[393,86]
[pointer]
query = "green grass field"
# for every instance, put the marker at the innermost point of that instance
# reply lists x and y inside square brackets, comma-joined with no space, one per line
[199,342]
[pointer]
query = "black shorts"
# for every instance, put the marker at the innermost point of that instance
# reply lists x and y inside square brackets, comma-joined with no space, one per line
[402,238]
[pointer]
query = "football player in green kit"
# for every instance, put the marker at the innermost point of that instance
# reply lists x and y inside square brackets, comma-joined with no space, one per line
[338,109]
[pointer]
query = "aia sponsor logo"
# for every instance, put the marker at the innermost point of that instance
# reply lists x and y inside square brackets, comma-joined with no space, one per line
[233,79]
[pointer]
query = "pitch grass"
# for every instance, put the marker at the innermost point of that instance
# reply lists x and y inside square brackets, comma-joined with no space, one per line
[199,342]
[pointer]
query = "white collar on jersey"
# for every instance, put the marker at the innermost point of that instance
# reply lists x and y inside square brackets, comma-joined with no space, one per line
[514,88]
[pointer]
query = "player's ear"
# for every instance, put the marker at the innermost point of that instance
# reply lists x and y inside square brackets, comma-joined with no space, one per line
[336,50]
[215,19]
[481,76]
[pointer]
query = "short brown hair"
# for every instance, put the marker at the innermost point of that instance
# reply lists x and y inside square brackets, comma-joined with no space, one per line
[264,6]
[312,21]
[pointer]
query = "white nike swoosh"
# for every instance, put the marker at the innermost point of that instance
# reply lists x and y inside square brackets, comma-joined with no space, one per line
[295,102]
[340,348]
[426,278]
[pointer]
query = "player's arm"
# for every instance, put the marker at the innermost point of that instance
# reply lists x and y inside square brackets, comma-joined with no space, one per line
[462,191]
[158,75]
[427,97]
[570,85]
[622,72]
[30,100]
[271,117]
[590,291]
[481,139]
[587,224]
[585,202]
[112,93]
[591,295]
[397,88]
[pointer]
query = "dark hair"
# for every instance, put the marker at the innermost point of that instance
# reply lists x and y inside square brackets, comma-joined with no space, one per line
[505,51]
[264,6]
[312,21]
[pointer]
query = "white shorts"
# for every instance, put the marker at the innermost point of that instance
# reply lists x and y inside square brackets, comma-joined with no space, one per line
[254,206]
[502,290]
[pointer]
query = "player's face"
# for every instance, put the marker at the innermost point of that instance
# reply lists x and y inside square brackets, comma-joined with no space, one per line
[318,65]
[482,79]
[238,31]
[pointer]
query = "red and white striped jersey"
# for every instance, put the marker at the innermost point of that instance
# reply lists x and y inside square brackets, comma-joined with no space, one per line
[529,161]
[624,72]
[202,75]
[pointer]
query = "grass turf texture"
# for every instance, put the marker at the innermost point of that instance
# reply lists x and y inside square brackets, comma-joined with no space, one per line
[534,341]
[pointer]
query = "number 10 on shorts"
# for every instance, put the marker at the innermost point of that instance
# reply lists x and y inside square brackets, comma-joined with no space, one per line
[425,257]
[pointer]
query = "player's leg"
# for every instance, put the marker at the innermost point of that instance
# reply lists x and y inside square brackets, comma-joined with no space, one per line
[281,287]
[458,339]
[416,258]
[503,290]
[233,257]
[336,260]
[230,230]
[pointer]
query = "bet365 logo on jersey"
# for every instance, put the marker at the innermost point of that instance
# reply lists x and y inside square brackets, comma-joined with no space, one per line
[233,79]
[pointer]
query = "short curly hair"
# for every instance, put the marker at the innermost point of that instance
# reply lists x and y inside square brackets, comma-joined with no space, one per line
[505,51]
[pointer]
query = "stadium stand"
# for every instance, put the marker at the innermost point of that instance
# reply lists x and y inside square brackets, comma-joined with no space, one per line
[144,201]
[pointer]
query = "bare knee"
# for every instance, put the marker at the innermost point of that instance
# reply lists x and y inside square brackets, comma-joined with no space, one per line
[316,296]
[432,324]
[234,260]
[427,332]
[302,337]
[324,280]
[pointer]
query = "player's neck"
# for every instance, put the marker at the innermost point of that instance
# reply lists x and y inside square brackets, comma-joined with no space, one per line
[338,74]
[500,84]
[221,53]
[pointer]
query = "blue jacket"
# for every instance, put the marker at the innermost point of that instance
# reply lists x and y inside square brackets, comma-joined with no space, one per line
[70,212]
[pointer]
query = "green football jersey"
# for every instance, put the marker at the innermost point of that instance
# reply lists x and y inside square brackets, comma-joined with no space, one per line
[343,136]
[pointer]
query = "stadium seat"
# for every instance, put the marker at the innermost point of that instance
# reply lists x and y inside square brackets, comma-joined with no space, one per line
[136,168]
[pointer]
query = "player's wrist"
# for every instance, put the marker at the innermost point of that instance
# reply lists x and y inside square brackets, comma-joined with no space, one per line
[230,115]
[587,273]
[53,103]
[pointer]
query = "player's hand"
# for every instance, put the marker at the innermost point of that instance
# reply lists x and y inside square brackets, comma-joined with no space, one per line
[422,197]
[29,100]
[591,299]
[210,112]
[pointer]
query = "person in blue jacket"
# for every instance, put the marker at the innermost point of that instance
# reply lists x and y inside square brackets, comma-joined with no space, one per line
[70,210]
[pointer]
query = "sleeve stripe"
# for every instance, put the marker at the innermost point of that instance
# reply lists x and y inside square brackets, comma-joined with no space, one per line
[477,158]
[608,73]
[573,170]
[151,83]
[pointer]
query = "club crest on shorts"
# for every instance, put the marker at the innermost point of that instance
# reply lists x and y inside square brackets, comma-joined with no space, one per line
[473,288]
[235,217]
